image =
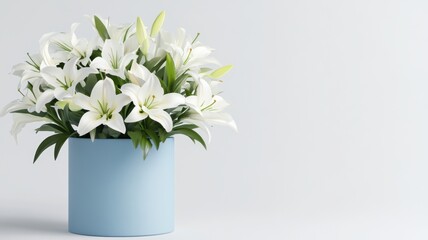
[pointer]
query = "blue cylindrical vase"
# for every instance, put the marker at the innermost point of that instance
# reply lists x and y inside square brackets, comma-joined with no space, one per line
[114,192]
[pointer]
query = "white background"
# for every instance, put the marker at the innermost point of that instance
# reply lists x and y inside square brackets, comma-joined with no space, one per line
[330,99]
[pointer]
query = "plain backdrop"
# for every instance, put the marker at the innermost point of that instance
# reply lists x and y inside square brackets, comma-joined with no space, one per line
[331,102]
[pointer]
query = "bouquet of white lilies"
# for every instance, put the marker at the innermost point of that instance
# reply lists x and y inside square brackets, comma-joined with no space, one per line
[126,83]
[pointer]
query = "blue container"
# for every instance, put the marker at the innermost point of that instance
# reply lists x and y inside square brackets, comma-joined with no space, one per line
[114,192]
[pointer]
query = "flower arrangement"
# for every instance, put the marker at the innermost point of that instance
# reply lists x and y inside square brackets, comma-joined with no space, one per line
[125,83]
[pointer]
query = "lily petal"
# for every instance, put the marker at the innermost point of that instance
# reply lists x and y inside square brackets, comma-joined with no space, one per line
[20,120]
[10,107]
[103,90]
[204,93]
[92,134]
[83,101]
[161,117]
[219,104]
[100,63]
[201,124]
[131,90]
[43,99]
[70,68]
[121,100]
[151,87]
[136,115]
[84,73]
[170,100]
[112,53]
[126,60]
[193,103]
[131,44]
[19,69]
[138,74]
[88,122]
[220,119]
[109,90]
[53,75]
[116,123]
[60,93]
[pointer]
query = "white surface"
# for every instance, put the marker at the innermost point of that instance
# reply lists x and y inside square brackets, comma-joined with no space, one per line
[330,98]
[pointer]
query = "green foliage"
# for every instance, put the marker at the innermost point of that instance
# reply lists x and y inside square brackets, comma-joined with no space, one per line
[179,82]
[50,127]
[154,136]
[169,75]
[90,82]
[188,131]
[140,139]
[61,126]
[57,140]
[101,28]
[154,64]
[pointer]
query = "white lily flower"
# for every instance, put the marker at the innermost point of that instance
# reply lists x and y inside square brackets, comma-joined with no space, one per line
[113,59]
[28,102]
[186,53]
[60,47]
[215,84]
[208,109]
[33,64]
[22,119]
[29,72]
[103,108]
[120,33]
[116,32]
[62,82]
[150,101]
[138,74]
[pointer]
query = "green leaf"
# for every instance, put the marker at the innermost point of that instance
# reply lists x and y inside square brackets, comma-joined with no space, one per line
[66,117]
[155,63]
[74,117]
[179,82]
[163,135]
[191,89]
[52,115]
[170,71]
[162,75]
[136,137]
[125,36]
[111,132]
[178,115]
[220,72]
[59,143]
[157,24]
[49,141]
[50,127]
[101,28]
[155,138]
[145,145]
[191,134]
[185,126]
[90,82]
[25,111]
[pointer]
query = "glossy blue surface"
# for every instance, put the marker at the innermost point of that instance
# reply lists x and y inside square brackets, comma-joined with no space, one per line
[114,192]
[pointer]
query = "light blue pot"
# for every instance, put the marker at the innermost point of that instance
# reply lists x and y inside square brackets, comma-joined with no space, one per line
[114,192]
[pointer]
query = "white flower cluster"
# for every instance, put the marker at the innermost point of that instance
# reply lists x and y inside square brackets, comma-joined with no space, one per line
[123,77]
